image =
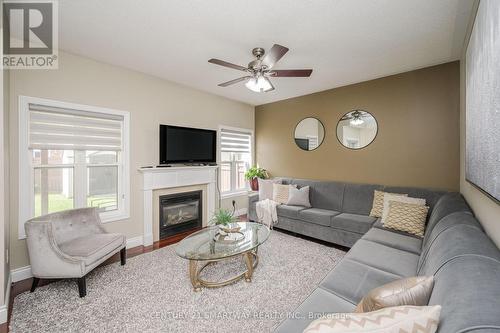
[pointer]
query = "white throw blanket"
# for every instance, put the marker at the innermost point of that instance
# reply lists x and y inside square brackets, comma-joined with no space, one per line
[266,212]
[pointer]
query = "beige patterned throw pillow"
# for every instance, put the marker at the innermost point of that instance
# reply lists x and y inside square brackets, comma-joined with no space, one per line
[399,319]
[407,217]
[378,202]
[388,197]
[280,193]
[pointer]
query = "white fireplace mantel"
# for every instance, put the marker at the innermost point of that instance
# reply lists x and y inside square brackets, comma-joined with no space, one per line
[171,177]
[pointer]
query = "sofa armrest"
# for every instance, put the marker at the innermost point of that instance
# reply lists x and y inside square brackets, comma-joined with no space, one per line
[252,200]
[253,197]
[46,259]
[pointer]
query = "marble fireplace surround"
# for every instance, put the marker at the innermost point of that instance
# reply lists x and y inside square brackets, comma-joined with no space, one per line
[161,181]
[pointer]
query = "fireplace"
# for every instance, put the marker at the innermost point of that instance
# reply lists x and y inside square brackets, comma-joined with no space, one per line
[180,212]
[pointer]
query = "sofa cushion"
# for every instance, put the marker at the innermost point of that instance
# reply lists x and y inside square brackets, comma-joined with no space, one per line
[358,198]
[395,240]
[315,305]
[326,233]
[468,289]
[353,222]
[318,216]
[384,257]
[91,248]
[289,211]
[352,280]
[323,194]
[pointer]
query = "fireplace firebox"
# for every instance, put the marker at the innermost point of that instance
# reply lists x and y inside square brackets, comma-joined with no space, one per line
[180,212]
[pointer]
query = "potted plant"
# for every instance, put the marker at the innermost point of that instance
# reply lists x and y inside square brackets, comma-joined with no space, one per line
[253,174]
[224,218]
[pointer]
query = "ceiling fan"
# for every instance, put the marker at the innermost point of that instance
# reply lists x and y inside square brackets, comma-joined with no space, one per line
[356,117]
[260,70]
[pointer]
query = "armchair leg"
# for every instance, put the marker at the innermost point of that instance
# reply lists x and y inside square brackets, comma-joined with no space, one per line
[34,284]
[123,256]
[82,286]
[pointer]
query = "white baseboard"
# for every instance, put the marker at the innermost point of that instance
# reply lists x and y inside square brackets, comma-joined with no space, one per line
[24,273]
[21,273]
[240,212]
[134,241]
[147,240]
[4,309]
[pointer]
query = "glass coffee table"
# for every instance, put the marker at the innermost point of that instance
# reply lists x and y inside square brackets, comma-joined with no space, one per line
[212,245]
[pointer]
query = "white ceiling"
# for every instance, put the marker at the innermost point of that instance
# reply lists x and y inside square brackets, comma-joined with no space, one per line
[343,41]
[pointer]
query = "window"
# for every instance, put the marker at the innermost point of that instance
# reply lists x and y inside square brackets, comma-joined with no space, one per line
[235,159]
[72,156]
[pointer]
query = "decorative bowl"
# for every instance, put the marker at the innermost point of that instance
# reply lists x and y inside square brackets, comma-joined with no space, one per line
[229,228]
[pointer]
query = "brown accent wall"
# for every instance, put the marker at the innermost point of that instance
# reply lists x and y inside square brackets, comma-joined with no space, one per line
[418,141]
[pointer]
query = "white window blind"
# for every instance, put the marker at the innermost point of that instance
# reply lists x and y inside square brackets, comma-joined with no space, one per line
[235,141]
[61,128]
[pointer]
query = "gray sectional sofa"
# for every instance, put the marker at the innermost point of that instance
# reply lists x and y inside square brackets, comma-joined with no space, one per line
[455,249]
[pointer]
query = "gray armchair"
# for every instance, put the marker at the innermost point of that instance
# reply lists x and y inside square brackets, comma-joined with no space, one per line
[69,244]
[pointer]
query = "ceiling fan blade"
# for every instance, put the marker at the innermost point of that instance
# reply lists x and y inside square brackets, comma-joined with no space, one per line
[274,55]
[227,64]
[291,73]
[228,83]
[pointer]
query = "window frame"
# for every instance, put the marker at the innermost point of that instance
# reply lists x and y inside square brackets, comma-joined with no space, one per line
[26,168]
[233,192]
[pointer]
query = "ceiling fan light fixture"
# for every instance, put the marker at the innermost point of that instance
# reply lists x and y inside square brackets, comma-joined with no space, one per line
[356,121]
[261,68]
[259,84]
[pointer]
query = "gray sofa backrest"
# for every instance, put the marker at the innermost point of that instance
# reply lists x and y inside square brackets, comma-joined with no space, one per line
[323,194]
[438,232]
[466,268]
[468,289]
[356,198]
[456,241]
[73,223]
[448,203]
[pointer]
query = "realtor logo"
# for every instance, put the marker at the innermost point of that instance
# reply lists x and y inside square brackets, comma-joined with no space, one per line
[30,34]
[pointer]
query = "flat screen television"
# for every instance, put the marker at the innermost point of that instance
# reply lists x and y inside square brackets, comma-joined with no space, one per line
[187,145]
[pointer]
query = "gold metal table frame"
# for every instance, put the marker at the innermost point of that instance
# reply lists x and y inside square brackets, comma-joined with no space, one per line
[251,260]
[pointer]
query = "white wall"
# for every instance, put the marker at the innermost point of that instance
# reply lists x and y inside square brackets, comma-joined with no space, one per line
[151,101]
[4,187]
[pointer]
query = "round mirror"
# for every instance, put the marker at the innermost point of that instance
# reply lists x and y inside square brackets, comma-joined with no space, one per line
[309,134]
[357,129]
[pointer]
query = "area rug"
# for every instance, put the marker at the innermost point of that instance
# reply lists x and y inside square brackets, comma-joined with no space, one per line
[152,293]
